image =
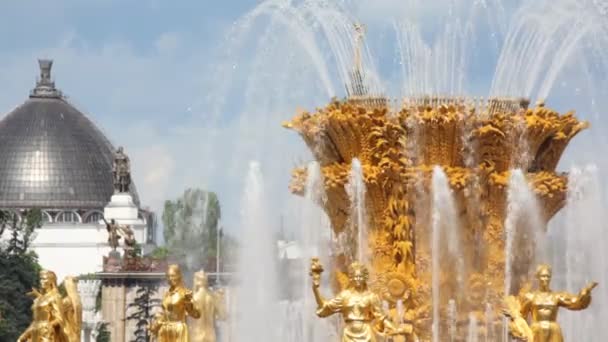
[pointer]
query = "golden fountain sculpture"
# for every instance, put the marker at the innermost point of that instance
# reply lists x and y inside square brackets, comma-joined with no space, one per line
[170,325]
[55,319]
[211,307]
[477,143]
[543,305]
[361,308]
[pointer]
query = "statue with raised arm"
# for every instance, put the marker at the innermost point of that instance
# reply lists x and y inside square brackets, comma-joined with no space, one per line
[361,308]
[121,171]
[211,307]
[48,319]
[113,233]
[542,306]
[177,304]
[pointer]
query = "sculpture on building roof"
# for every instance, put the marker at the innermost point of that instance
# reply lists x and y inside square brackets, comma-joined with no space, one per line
[121,171]
[113,233]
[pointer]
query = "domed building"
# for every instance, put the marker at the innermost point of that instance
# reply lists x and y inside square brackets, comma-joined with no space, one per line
[55,159]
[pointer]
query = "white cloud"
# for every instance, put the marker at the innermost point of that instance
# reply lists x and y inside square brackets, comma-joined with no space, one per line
[167,43]
[153,168]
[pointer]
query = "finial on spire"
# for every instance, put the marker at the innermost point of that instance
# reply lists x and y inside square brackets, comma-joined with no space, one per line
[359,34]
[357,85]
[45,87]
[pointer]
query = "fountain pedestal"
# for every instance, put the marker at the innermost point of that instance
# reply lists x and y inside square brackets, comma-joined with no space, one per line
[476,145]
[119,291]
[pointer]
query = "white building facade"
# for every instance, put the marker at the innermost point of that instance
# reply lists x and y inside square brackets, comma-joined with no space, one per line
[55,159]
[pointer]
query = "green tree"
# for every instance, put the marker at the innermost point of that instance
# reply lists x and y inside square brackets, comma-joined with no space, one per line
[142,307]
[18,272]
[191,228]
[103,334]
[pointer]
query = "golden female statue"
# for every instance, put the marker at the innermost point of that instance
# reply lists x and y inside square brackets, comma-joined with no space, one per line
[72,308]
[360,307]
[170,325]
[211,308]
[543,305]
[48,323]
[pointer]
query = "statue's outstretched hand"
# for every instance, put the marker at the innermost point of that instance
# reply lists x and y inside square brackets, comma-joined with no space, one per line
[587,290]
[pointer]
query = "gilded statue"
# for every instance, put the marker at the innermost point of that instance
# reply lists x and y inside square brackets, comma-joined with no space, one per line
[361,308]
[72,309]
[177,304]
[211,308]
[55,319]
[542,305]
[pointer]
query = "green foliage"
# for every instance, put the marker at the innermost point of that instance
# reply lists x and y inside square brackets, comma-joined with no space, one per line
[18,272]
[160,253]
[142,308]
[191,227]
[103,334]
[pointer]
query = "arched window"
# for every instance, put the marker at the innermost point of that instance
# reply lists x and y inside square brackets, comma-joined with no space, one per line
[46,217]
[67,216]
[93,216]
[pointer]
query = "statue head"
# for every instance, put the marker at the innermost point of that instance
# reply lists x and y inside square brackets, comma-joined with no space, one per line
[358,275]
[174,275]
[543,274]
[120,149]
[200,280]
[48,280]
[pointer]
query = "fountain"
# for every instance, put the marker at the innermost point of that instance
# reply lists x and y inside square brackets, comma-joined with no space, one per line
[402,221]
[446,198]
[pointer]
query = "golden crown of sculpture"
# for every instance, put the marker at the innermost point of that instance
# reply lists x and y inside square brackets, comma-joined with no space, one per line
[477,143]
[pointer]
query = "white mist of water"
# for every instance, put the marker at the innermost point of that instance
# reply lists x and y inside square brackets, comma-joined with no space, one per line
[452,317]
[313,241]
[473,332]
[523,225]
[400,311]
[257,283]
[358,218]
[489,317]
[444,226]
[578,243]
[304,56]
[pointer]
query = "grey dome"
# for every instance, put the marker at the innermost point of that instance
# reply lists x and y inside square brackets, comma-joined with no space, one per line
[52,155]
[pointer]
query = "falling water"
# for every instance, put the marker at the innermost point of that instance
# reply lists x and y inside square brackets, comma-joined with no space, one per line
[400,311]
[523,225]
[452,317]
[575,242]
[313,238]
[257,285]
[358,219]
[473,335]
[489,317]
[444,223]
[317,36]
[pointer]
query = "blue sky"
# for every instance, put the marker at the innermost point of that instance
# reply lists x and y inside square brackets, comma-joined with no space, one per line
[134,66]
[193,103]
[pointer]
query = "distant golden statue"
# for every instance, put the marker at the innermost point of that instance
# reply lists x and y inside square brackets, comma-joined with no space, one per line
[360,308]
[72,309]
[211,308]
[170,325]
[48,322]
[543,305]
